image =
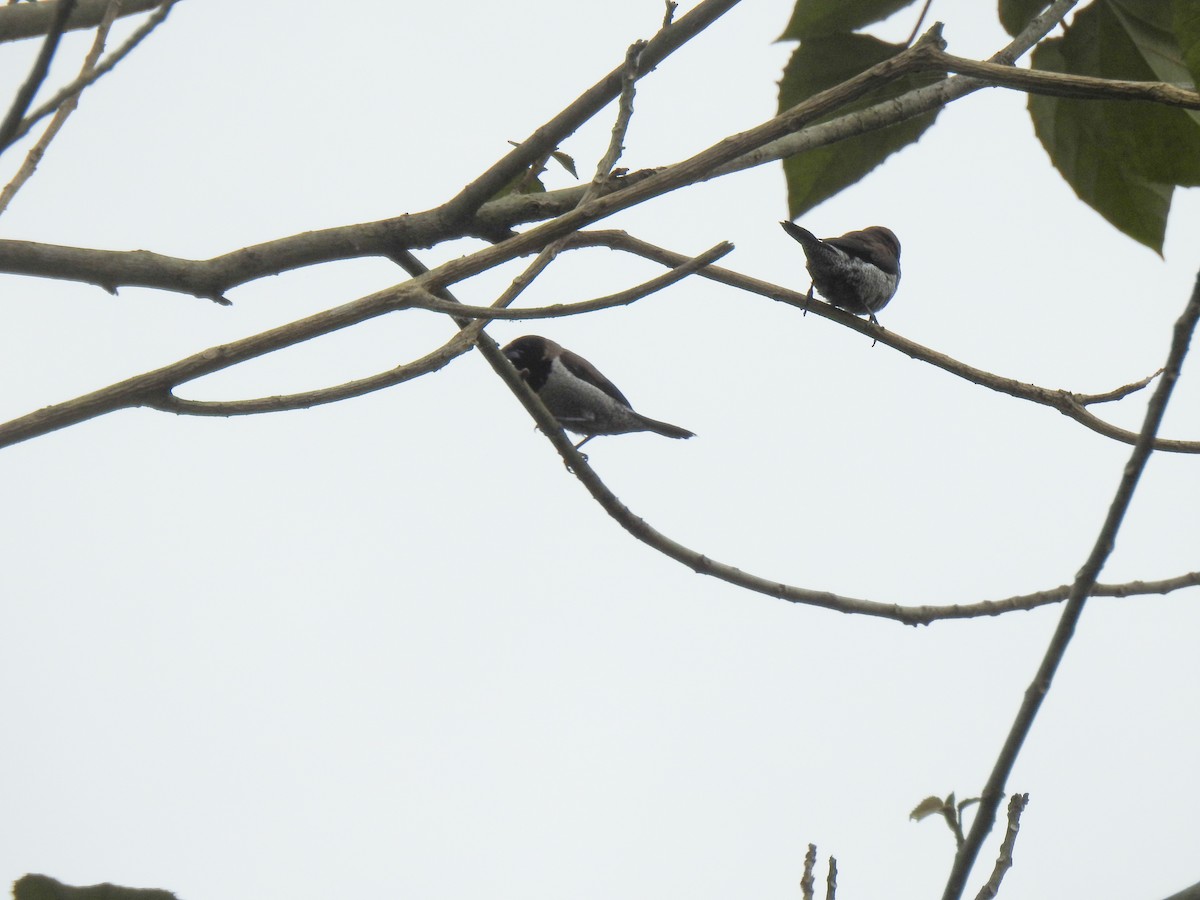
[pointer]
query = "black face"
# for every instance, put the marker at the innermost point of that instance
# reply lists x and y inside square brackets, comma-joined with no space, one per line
[528,356]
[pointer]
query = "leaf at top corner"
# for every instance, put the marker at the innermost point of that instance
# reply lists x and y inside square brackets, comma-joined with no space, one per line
[1186,25]
[814,18]
[1016,14]
[1123,159]
[1151,25]
[820,63]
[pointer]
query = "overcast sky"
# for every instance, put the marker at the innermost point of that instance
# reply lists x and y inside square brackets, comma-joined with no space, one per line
[391,647]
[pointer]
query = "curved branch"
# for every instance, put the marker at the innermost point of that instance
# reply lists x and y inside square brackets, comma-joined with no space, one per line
[461,343]
[578,464]
[1072,405]
[559,310]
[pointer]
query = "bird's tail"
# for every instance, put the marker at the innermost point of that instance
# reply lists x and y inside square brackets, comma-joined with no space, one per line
[803,235]
[666,429]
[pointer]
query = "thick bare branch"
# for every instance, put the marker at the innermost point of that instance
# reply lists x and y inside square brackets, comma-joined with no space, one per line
[26,20]
[212,278]
[1081,589]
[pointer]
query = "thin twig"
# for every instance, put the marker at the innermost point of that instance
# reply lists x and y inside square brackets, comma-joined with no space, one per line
[912,36]
[1081,589]
[1117,393]
[831,880]
[1016,805]
[669,39]
[806,879]
[41,66]
[38,150]
[560,310]
[106,66]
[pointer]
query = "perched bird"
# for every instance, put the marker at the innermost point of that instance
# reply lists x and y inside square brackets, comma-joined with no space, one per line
[858,271]
[582,399]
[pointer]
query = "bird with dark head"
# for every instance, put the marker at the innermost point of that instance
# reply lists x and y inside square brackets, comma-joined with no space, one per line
[857,272]
[575,392]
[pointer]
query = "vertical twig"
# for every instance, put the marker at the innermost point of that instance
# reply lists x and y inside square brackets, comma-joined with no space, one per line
[993,792]
[1016,806]
[806,880]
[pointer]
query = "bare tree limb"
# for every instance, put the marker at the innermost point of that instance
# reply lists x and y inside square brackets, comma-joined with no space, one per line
[41,66]
[38,150]
[26,20]
[1081,589]
[212,278]
[831,880]
[1188,893]
[1060,84]
[1016,806]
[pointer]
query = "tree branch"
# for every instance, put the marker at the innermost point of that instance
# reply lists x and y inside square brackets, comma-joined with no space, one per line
[1084,87]
[1016,806]
[1081,589]
[26,20]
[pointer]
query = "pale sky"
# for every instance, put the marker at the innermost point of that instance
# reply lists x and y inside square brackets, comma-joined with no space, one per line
[391,647]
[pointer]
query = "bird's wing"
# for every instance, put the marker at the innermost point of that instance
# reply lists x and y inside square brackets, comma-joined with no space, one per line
[582,369]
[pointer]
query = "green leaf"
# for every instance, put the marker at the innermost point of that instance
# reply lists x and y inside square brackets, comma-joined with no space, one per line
[815,18]
[820,63]
[930,806]
[566,161]
[1186,25]
[1151,28]
[1016,14]
[1122,158]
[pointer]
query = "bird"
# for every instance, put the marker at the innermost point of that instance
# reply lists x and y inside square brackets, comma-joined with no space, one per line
[575,392]
[857,272]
